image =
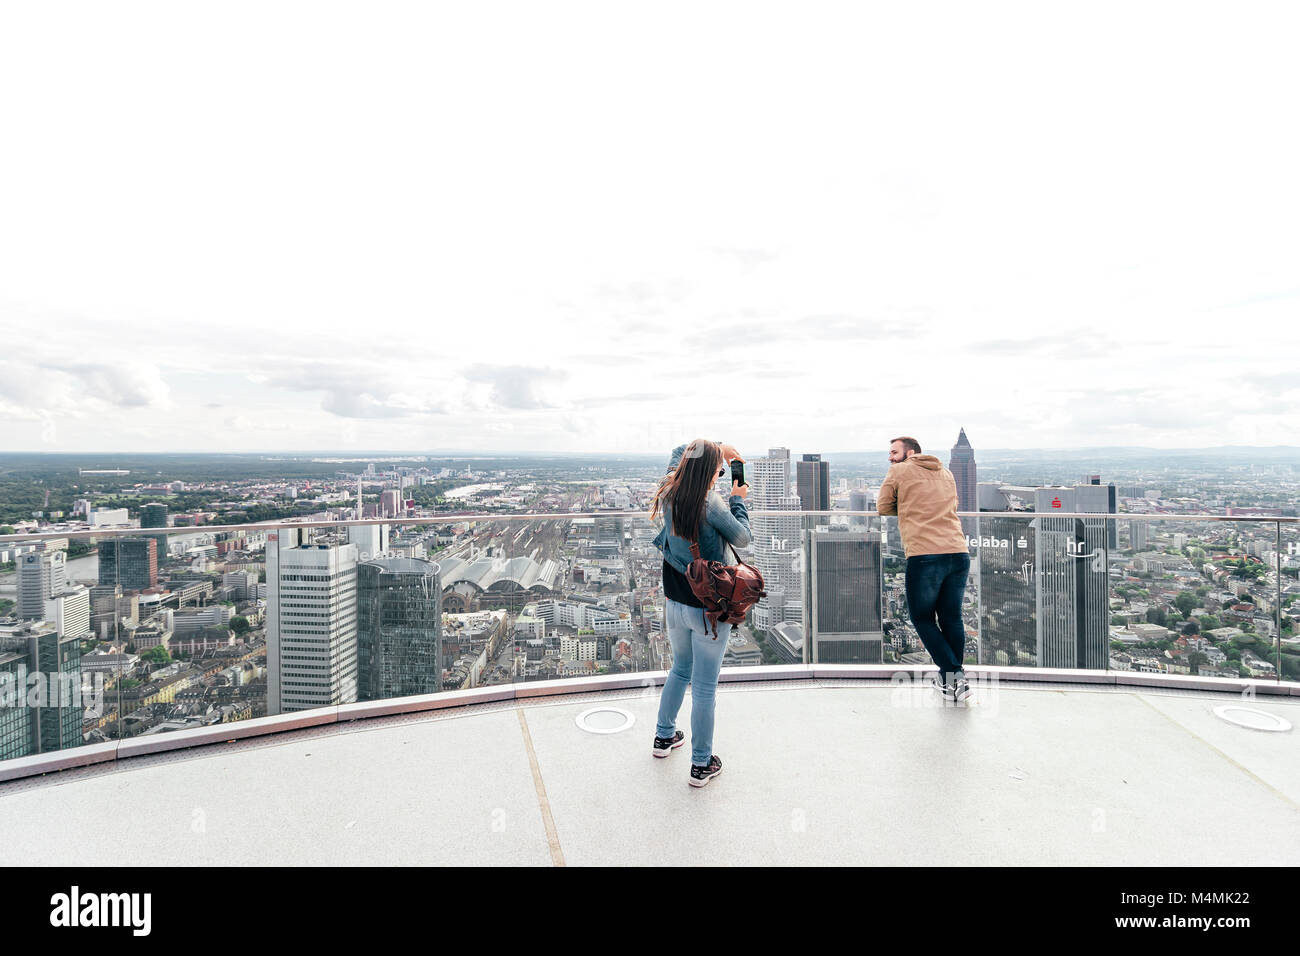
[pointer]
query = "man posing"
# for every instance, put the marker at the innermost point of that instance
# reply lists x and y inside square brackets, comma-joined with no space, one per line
[924,496]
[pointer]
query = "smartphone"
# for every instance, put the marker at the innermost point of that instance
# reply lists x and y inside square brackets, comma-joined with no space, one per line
[738,471]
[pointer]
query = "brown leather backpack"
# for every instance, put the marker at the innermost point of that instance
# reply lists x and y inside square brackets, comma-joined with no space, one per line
[727,591]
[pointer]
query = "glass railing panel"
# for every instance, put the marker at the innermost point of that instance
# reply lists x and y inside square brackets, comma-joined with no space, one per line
[179,616]
[1007,587]
[1286,595]
[185,627]
[1193,597]
[902,642]
[839,589]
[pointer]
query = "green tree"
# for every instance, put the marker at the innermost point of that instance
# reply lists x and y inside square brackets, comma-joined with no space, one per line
[157,655]
[1185,602]
[1191,627]
[239,624]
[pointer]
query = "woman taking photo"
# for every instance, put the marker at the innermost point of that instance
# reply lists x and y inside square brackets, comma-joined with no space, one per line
[694,512]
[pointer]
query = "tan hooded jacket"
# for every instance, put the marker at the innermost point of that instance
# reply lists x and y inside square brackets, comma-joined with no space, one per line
[924,496]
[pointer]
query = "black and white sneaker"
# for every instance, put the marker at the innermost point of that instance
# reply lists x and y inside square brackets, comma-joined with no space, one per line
[947,688]
[663,745]
[961,690]
[700,776]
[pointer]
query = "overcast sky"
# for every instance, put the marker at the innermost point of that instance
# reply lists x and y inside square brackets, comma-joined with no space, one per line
[612,227]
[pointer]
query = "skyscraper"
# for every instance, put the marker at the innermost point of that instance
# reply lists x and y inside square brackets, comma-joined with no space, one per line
[311,622]
[842,597]
[371,540]
[15,720]
[399,628]
[1139,534]
[1095,498]
[52,720]
[41,574]
[860,501]
[1072,608]
[69,611]
[776,537]
[130,562]
[58,657]
[154,515]
[813,483]
[962,465]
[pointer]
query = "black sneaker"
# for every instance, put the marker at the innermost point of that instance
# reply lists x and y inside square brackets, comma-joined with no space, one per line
[945,687]
[700,776]
[664,744]
[961,690]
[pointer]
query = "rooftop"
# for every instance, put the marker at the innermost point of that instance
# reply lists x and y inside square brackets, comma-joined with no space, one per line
[823,765]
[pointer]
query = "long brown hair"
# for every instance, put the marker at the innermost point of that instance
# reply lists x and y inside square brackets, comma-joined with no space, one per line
[687,488]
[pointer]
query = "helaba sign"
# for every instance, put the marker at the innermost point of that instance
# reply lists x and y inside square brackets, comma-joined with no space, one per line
[987,542]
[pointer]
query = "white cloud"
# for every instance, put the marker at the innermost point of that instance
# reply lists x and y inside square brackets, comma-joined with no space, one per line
[814,231]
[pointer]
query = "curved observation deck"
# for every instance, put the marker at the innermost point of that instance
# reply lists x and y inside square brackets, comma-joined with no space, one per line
[823,765]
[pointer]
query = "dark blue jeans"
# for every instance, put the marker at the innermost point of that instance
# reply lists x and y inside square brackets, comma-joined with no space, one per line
[935,583]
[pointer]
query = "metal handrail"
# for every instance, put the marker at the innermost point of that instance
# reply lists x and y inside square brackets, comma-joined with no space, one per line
[455,518]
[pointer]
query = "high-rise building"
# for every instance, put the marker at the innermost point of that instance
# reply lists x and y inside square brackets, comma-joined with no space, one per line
[1072,608]
[109,607]
[776,537]
[311,622]
[1139,535]
[390,502]
[842,596]
[15,720]
[41,574]
[129,562]
[69,611]
[813,483]
[399,628]
[962,465]
[154,515]
[54,723]
[372,540]
[1095,498]
[861,500]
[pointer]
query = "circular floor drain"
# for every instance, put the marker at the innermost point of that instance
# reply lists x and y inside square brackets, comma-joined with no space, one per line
[605,720]
[1253,719]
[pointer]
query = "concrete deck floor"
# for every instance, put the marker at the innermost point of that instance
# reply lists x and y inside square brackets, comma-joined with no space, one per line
[816,772]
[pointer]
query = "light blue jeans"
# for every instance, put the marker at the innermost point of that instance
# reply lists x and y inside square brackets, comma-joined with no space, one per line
[697,659]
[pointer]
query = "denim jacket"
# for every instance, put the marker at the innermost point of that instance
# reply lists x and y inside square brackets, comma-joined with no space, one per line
[723,522]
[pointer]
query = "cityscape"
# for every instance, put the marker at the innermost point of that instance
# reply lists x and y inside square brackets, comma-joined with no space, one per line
[150,605]
[347,348]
